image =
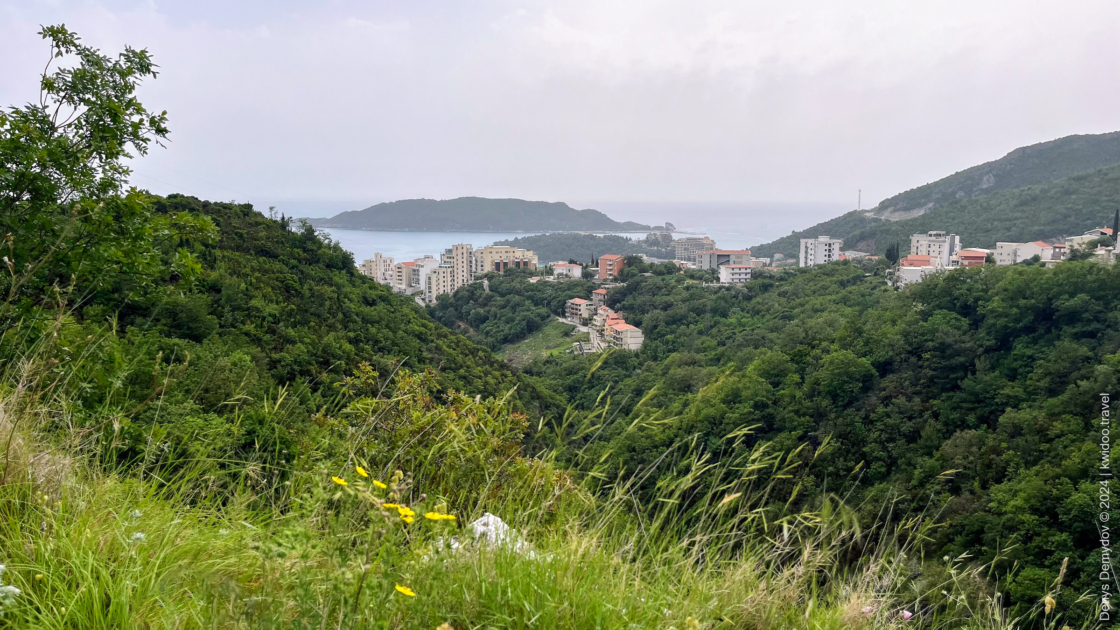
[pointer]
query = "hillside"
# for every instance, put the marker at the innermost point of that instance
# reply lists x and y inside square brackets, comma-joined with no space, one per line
[1026,166]
[477,214]
[1062,208]
[583,248]
[1058,162]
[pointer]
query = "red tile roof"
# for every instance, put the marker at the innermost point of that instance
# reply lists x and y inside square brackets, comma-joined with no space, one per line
[577,301]
[726,251]
[610,256]
[1040,244]
[603,291]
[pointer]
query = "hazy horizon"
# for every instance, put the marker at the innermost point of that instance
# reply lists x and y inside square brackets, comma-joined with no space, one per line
[337,106]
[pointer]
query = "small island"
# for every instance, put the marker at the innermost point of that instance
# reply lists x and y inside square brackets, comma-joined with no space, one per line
[477,214]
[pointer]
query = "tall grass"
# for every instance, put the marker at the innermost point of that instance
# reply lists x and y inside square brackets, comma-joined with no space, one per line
[185,537]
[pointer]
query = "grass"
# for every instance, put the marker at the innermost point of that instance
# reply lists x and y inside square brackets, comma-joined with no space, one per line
[554,338]
[320,542]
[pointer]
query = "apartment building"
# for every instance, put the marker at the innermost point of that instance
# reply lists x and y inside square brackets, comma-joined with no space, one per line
[969,258]
[686,249]
[734,274]
[715,258]
[610,265]
[819,251]
[578,310]
[501,257]
[914,268]
[937,245]
[1013,253]
[598,297]
[439,281]
[1091,235]
[624,336]
[380,268]
[402,276]
[461,258]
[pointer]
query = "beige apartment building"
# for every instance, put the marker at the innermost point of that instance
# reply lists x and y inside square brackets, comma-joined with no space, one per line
[501,257]
[687,249]
[380,268]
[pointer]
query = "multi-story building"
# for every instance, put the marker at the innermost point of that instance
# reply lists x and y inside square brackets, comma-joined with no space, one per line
[687,248]
[598,297]
[624,336]
[734,274]
[380,268]
[566,269]
[660,239]
[461,257]
[402,276]
[715,258]
[1091,235]
[501,257]
[969,258]
[914,268]
[578,310]
[937,245]
[1013,253]
[610,265]
[439,281]
[820,250]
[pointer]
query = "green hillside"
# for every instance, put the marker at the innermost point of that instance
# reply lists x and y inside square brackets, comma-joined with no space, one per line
[584,248]
[1026,166]
[477,214]
[1064,207]
[968,196]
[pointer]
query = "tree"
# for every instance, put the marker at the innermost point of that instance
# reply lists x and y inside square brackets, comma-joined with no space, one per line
[64,211]
[1116,227]
[892,253]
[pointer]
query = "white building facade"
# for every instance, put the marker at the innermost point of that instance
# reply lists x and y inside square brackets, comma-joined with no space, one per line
[937,245]
[734,274]
[819,251]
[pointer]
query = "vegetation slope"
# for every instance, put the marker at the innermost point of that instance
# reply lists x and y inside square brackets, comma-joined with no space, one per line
[584,248]
[979,203]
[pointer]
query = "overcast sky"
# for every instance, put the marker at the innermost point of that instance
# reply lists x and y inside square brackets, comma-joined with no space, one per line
[338,103]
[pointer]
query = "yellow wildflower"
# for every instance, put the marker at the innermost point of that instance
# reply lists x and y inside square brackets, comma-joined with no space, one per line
[339,480]
[379,484]
[361,471]
[1050,603]
[404,590]
[404,510]
[390,505]
[407,519]
[436,516]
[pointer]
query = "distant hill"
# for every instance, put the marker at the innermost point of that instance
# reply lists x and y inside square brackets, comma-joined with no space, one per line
[977,202]
[583,248]
[477,214]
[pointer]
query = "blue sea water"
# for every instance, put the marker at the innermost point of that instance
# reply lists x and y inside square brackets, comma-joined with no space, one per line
[731,225]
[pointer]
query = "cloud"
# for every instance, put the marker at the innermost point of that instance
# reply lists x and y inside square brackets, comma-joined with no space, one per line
[626,100]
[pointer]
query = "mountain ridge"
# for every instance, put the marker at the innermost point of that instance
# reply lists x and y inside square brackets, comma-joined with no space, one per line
[477,214]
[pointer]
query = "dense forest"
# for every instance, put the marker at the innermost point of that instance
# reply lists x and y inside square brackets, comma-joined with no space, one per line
[1065,207]
[585,248]
[966,399]
[477,214]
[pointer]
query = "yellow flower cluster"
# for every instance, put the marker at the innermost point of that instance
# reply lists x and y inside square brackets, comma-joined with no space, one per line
[404,590]
[436,516]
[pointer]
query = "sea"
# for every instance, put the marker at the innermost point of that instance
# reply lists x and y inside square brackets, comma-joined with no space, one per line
[730,225]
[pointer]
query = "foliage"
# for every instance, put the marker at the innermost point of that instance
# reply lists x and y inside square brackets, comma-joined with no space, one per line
[477,214]
[989,372]
[63,209]
[510,310]
[1058,188]
[584,248]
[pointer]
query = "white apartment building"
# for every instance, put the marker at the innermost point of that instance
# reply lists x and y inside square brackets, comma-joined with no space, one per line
[578,310]
[380,268]
[439,281]
[1014,253]
[818,251]
[734,274]
[939,246]
[570,270]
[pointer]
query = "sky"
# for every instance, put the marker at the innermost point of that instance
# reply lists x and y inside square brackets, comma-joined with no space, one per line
[320,107]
